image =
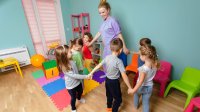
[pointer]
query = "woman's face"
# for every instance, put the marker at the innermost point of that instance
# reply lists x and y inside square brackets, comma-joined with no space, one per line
[104,12]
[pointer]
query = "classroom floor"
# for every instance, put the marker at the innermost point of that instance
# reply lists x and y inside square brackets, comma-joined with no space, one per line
[25,95]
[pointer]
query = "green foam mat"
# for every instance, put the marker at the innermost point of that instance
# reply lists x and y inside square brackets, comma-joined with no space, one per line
[38,74]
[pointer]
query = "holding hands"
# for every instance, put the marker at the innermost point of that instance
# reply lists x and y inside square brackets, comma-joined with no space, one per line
[131,91]
[126,50]
[89,76]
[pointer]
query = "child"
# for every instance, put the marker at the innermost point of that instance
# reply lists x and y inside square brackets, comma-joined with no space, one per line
[143,42]
[72,78]
[114,66]
[87,55]
[76,46]
[147,72]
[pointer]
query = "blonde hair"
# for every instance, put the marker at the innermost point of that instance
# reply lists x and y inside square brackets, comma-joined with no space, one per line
[104,4]
[61,54]
[102,1]
[150,52]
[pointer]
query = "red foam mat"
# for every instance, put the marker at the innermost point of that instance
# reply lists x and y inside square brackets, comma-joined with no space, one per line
[61,99]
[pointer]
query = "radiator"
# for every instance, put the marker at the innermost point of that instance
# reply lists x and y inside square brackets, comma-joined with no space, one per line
[20,53]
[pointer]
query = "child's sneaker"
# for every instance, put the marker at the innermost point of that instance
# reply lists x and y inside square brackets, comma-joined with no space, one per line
[73,110]
[82,100]
[109,109]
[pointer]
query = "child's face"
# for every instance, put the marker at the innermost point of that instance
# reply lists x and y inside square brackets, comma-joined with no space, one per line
[85,39]
[69,54]
[77,47]
[104,12]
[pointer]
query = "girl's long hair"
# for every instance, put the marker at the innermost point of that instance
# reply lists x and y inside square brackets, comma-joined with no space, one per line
[63,63]
[150,52]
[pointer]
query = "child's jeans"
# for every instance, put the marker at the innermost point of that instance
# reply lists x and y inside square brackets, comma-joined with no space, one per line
[146,92]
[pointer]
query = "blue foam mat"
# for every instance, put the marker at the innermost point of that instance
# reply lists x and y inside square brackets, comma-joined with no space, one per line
[54,87]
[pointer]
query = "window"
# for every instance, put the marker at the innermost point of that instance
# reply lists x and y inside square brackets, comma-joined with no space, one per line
[45,23]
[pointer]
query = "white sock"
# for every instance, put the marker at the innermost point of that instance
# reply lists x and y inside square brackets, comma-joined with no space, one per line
[73,110]
[82,100]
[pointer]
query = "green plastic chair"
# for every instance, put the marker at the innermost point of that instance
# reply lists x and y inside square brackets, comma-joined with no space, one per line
[189,84]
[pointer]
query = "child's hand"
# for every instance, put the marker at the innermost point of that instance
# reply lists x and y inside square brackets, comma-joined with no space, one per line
[131,91]
[89,76]
[126,50]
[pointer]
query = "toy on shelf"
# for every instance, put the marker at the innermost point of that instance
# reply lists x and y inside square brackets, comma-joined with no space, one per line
[80,24]
[51,50]
[53,45]
[97,50]
[50,69]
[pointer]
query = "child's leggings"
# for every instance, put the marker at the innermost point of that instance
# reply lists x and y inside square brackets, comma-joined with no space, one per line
[75,93]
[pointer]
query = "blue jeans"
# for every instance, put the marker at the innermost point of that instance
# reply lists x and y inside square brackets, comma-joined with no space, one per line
[146,92]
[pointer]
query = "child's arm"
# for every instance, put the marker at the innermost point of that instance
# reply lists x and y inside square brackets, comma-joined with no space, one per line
[96,68]
[134,52]
[78,76]
[126,80]
[125,49]
[91,48]
[95,38]
[141,80]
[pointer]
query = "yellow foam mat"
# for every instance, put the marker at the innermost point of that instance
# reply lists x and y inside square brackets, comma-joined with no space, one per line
[89,85]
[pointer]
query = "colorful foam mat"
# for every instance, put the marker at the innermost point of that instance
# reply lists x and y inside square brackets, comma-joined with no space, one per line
[55,87]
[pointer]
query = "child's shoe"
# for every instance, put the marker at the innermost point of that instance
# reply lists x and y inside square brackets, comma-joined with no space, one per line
[73,110]
[82,100]
[109,109]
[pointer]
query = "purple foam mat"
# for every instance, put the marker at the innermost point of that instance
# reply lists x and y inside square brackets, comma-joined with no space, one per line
[99,76]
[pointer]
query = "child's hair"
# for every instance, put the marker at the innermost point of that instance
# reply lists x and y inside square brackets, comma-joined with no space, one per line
[150,52]
[145,41]
[75,41]
[89,35]
[104,4]
[116,44]
[62,59]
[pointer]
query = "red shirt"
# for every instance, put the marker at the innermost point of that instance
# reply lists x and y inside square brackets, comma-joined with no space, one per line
[86,52]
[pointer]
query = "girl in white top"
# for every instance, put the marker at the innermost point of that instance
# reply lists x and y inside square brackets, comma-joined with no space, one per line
[72,77]
[147,72]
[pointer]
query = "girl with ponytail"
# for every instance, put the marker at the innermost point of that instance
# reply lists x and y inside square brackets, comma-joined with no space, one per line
[147,72]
